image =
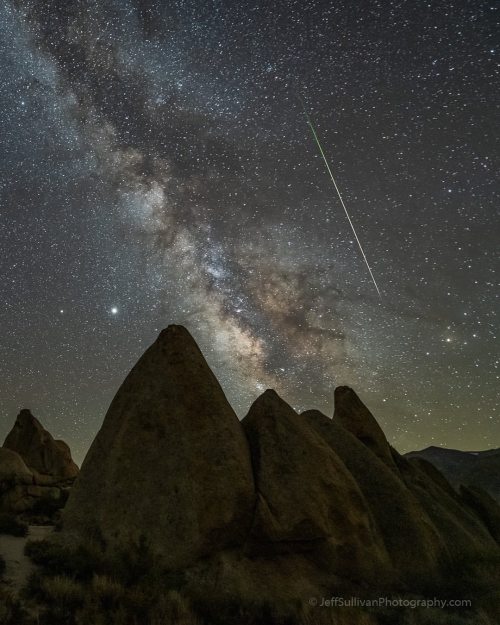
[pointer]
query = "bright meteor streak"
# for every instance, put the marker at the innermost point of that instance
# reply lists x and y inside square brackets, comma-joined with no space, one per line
[316,138]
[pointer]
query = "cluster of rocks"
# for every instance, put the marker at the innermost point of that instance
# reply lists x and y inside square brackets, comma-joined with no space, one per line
[281,504]
[36,471]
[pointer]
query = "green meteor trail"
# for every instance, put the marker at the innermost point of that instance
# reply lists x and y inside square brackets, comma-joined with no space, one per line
[316,139]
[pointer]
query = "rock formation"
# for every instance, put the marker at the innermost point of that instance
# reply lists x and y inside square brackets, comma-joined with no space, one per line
[279,506]
[38,448]
[408,534]
[170,462]
[13,468]
[35,470]
[355,417]
[300,481]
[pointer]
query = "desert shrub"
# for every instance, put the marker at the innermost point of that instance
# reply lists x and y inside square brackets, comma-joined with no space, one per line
[126,588]
[80,563]
[60,596]
[63,592]
[95,615]
[11,612]
[48,505]
[437,617]
[107,592]
[172,607]
[9,524]
[134,564]
[235,610]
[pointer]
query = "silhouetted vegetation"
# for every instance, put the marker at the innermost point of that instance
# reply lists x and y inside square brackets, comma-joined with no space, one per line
[11,612]
[80,586]
[10,525]
[48,505]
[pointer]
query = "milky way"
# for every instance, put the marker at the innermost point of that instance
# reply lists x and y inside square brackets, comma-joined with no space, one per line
[156,168]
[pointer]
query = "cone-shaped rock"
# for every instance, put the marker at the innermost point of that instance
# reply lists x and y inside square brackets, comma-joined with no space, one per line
[38,448]
[170,465]
[408,533]
[355,417]
[304,492]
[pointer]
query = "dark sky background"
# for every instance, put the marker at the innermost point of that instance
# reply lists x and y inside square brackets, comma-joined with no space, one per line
[156,167]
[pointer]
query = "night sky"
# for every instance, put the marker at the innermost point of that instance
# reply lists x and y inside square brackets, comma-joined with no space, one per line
[156,167]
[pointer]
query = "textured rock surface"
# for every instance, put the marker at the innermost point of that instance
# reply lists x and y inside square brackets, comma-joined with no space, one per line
[38,448]
[485,506]
[355,417]
[281,507]
[170,464]
[13,467]
[461,529]
[414,544]
[305,493]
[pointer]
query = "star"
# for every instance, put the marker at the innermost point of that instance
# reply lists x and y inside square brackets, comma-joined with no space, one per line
[143,164]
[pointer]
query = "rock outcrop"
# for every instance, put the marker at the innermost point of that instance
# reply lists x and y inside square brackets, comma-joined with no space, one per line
[170,464]
[485,506]
[39,450]
[279,506]
[300,481]
[13,468]
[414,545]
[36,471]
[355,417]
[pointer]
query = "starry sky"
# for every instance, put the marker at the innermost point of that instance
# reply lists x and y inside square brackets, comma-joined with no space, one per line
[156,167]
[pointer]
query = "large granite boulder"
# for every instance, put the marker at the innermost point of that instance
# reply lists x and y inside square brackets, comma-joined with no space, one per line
[355,417]
[39,450]
[306,498]
[23,491]
[170,466]
[416,548]
[13,469]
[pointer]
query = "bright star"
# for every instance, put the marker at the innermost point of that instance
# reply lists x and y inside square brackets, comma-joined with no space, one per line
[114,310]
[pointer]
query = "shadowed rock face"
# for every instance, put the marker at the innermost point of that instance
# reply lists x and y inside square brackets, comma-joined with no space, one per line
[170,463]
[40,477]
[477,469]
[305,494]
[413,543]
[38,448]
[13,467]
[355,417]
[485,506]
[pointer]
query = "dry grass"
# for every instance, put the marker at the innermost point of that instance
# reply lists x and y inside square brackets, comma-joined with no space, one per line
[62,591]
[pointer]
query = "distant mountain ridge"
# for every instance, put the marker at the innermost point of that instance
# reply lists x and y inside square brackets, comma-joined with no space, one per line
[480,469]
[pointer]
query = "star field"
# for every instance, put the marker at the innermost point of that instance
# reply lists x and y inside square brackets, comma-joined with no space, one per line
[156,167]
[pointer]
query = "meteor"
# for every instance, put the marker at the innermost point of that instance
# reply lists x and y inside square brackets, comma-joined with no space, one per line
[316,139]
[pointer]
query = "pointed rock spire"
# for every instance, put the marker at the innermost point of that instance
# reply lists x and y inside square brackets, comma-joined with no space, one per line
[38,448]
[355,417]
[305,494]
[170,440]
